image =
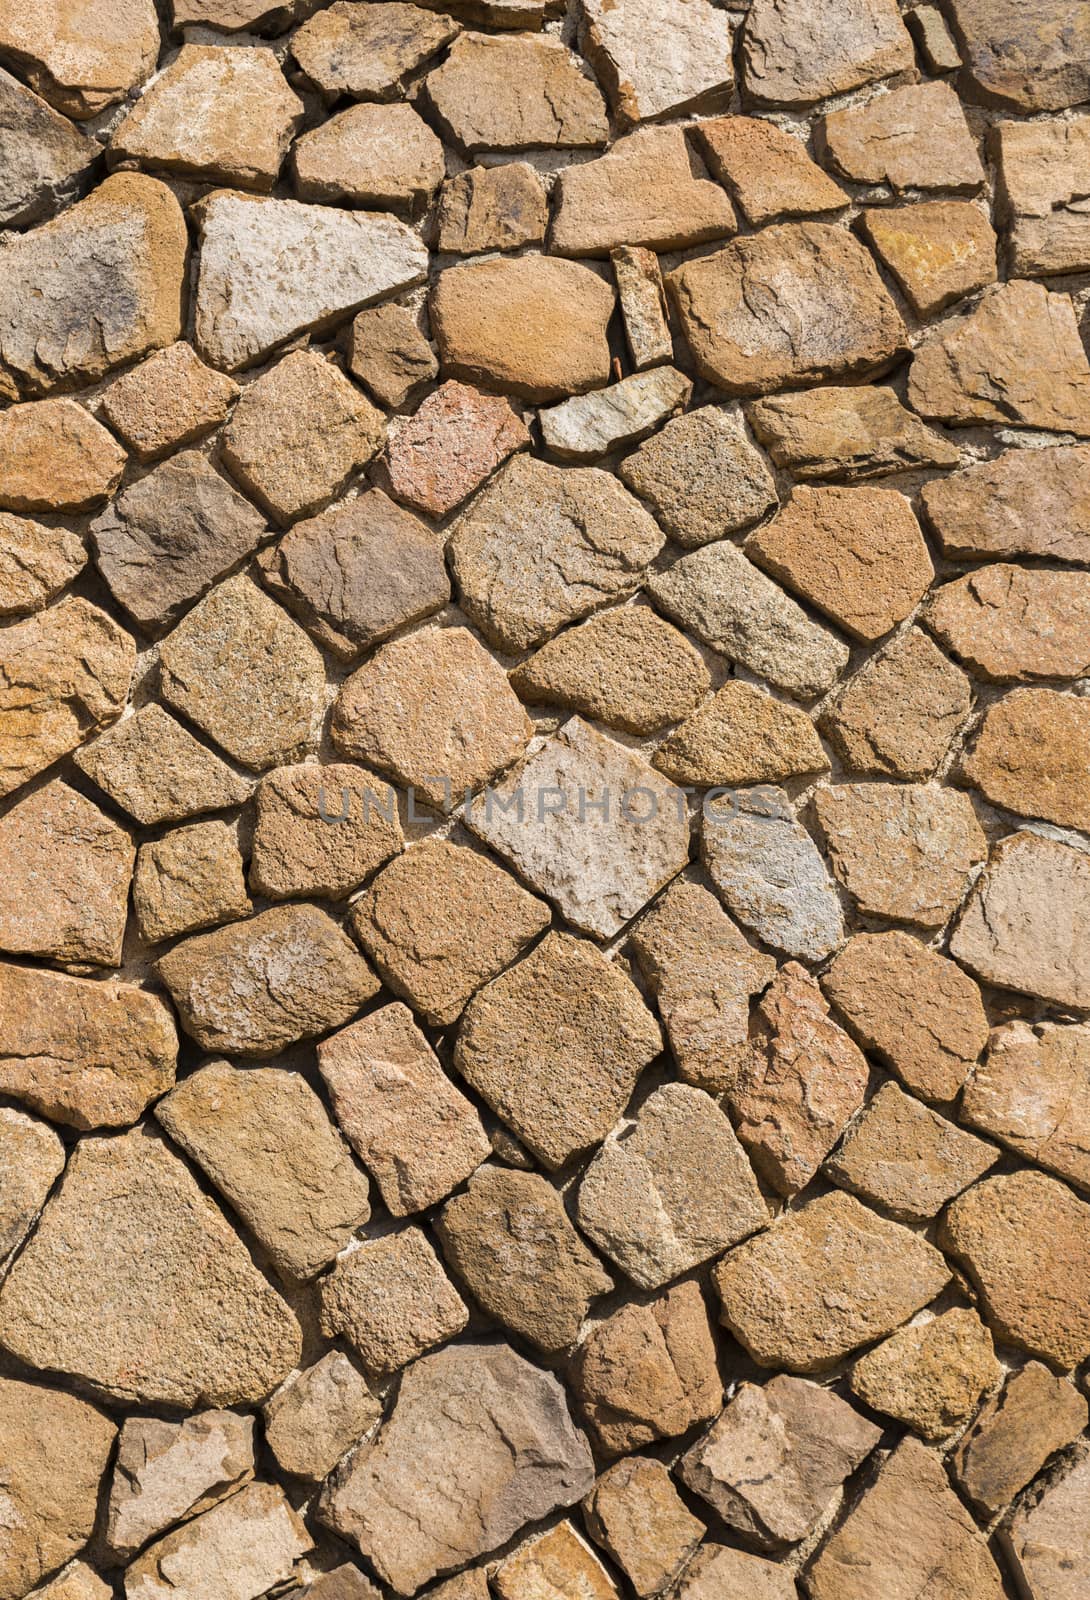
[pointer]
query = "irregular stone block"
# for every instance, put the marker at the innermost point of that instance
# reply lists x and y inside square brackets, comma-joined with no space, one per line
[592,425]
[688,71]
[155,769]
[33,1158]
[1032,1093]
[370,155]
[1035,1415]
[491,208]
[898,715]
[318,1415]
[493,93]
[766,169]
[81,55]
[167,1472]
[170,399]
[930,1375]
[237,1551]
[938,252]
[637,1515]
[911,138]
[367,52]
[45,159]
[54,456]
[794,53]
[457,438]
[852,433]
[1031,751]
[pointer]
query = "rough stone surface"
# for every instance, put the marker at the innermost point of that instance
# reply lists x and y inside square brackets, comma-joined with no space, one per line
[795,303]
[246,674]
[717,1564]
[898,715]
[370,155]
[907,1159]
[263,1138]
[901,851]
[852,433]
[358,572]
[1012,624]
[445,451]
[856,554]
[82,57]
[64,883]
[170,399]
[1041,194]
[318,1415]
[453,1445]
[495,93]
[766,169]
[465,727]
[1034,503]
[552,1567]
[624,667]
[648,1372]
[1016,359]
[701,476]
[637,1515]
[254,987]
[259,284]
[508,1239]
[703,974]
[771,876]
[1030,755]
[36,563]
[801,1084]
[794,53]
[221,115]
[598,866]
[98,286]
[55,1449]
[491,208]
[116,1284]
[54,456]
[531,325]
[367,52]
[1032,1093]
[917,1011]
[938,252]
[412,1129]
[1025,926]
[908,1535]
[170,536]
[911,138]
[391,1300]
[722,598]
[671,1191]
[1032,59]
[824,1280]
[442,920]
[389,355]
[591,425]
[555,1046]
[642,294]
[154,769]
[320,830]
[690,71]
[33,1157]
[1035,1415]
[773,1461]
[77,1581]
[166,1472]
[83,1053]
[642,193]
[1046,1543]
[46,159]
[236,1551]
[931,1375]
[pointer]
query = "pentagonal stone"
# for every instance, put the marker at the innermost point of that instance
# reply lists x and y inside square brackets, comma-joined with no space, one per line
[155,769]
[493,93]
[321,831]
[701,477]
[54,456]
[170,399]
[391,1300]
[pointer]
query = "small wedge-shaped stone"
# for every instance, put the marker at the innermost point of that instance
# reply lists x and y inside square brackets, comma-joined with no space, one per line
[689,71]
[793,304]
[169,1471]
[1027,924]
[36,563]
[911,138]
[772,1463]
[1041,189]
[794,52]
[638,1516]
[496,93]
[45,158]
[1025,502]
[1024,1240]
[1032,58]
[544,545]
[701,476]
[824,1280]
[413,1130]
[1035,1415]
[591,425]
[242,670]
[1032,754]
[599,866]
[642,193]
[509,1240]
[531,325]
[155,769]
[81,55]
[766,169]
[84,1053]
[1013,624]
[803,1082]
[917,1011]
[253,987]
[221,114]
[64,878]
[115,1287]
[442,920]
[555,1046]
[54,1449]
[167,538]
[642,295]
[1017,359]
[263,1138]
[481,1438]
[624,667]
[897,716]
[389,355]
[930,1375]
[1046,1541]
[54,456]
[938,251]
[740,737]
[672,1190]
[722,598]
[852,433]
[366,52]
[908,1536]
[33,1158]
[771,876]
[270,269]
[1032,1093]
[318,1415]
[170,399]
[236,1551]
[491,208]
[703,974]
[93,289]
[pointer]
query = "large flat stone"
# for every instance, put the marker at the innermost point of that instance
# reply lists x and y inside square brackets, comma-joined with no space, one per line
[688,71]
[81,55]
[496,93]
[1025,502]
[794,52]
[1032,57]
[1032,1093]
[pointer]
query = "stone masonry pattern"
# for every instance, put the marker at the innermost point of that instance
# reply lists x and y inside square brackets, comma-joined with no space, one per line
[544,799]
